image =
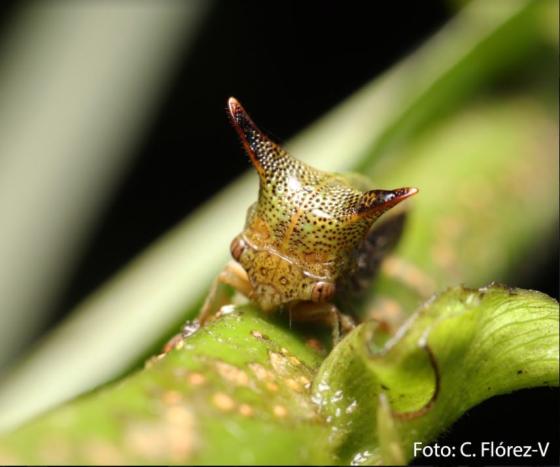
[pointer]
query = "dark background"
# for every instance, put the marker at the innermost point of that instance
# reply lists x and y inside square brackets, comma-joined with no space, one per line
[288,62]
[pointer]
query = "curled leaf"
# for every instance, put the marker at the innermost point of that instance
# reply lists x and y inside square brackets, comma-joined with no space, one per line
[459,349]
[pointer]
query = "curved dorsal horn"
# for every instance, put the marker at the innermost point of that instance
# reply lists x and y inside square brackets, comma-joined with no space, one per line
[373,203]
[264,153]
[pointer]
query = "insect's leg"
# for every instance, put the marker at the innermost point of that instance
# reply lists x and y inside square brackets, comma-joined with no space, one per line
[326,313]
[234,276]
[344,324]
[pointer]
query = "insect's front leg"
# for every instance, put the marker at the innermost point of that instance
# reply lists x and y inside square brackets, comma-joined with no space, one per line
[234,276]
[323,312]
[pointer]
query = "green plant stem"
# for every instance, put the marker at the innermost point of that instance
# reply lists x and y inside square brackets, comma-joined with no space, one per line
[239,390]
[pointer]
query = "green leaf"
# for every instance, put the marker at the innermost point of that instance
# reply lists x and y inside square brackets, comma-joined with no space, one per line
[459,349]
[126,318]
[239,390]
[154,293]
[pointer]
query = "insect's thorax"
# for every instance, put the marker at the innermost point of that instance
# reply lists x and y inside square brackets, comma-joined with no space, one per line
[301,230]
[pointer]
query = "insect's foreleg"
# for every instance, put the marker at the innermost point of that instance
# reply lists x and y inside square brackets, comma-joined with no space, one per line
[234,276]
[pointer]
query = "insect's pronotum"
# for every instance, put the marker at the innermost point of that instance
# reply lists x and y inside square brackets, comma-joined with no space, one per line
[308,241]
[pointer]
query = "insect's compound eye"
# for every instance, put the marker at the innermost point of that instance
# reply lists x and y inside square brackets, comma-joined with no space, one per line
[237,247]
[322,291]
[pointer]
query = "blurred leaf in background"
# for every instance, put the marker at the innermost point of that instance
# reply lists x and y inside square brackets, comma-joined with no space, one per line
[78,85]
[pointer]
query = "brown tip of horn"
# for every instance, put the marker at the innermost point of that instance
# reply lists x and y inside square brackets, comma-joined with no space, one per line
[261,149]
[376,202]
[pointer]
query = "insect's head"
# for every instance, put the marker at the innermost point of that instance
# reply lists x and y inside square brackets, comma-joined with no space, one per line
[306,217]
